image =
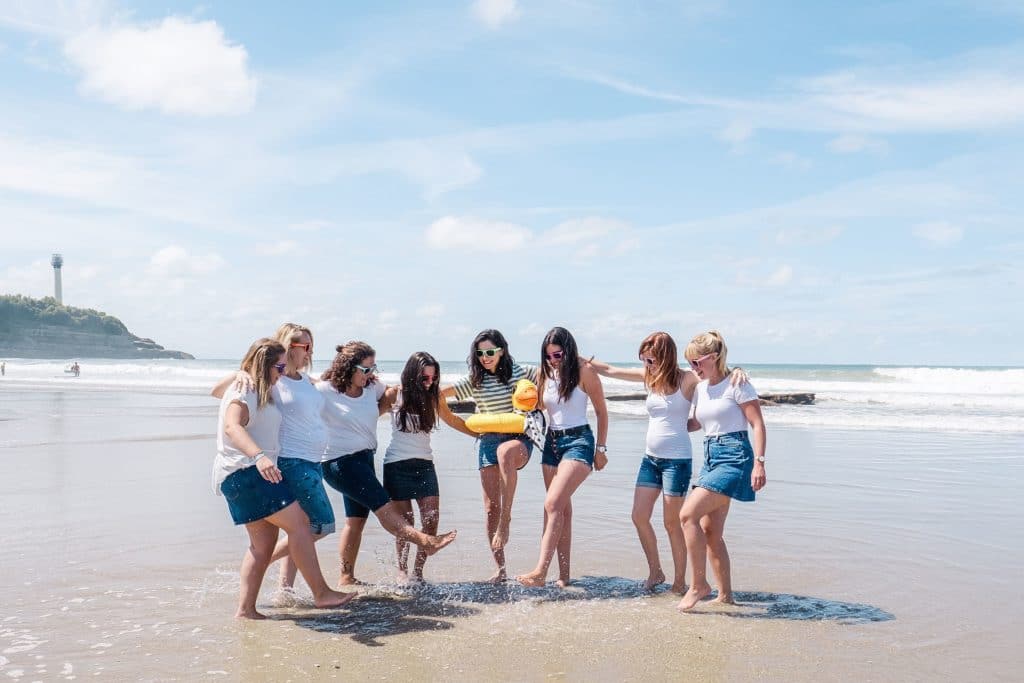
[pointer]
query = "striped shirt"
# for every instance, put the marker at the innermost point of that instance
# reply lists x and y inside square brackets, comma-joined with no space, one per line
[492,396]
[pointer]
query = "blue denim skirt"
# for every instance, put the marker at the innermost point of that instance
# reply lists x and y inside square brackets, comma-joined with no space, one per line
[487,452]
[353,476]
[251,498]
[411,479]
[728,464]
[577,445]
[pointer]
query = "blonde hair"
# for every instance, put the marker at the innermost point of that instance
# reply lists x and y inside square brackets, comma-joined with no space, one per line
[663,377]
[289,333]
[258,361]
[709,342]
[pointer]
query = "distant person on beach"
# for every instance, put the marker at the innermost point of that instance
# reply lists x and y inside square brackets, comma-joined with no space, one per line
[353,402]
[245,471]
[667,464]
[493,374]
[409,473]
[570,450]
[732,468]
[3,369]
[76,369]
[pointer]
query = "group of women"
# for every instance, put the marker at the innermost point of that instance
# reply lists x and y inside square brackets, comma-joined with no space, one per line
[282,434]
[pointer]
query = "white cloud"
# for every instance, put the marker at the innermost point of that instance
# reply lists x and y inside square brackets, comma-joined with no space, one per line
[793,160]
[476,234]
[278,248]
[938,233]
[495,13]
[807,236]
[737,132]
[175,261]
[850,143]
[178,66]
[782,275]
[582,230]
[310,225]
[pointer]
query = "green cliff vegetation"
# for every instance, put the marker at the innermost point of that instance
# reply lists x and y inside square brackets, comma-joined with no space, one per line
[19,312]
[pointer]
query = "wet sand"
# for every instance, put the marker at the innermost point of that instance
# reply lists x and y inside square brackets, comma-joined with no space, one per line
[871,555]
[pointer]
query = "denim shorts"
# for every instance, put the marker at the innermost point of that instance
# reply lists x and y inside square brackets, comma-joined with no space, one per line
[304,479]
[411,479]
[251,498]
[728,463]
[487,455]
[574,446]
[354,477]
[671,475]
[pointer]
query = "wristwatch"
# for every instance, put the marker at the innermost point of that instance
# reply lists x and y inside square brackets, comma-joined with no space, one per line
[601,448]
[759,458]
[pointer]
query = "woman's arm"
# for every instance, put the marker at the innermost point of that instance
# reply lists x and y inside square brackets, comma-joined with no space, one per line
[235,418]
[387,400]
[453,420]
[752,411]
[241,380]
[606,370]
[591,383]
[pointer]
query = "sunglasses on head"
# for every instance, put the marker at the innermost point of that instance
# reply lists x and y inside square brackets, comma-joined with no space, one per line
[280,367]
[307,346]
[695,363]
[490,353]
[557,355]
[367,370]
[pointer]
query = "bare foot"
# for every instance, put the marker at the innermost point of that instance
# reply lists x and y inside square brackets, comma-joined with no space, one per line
[726,599]
[333,599]
[656,578]
[402,578]
[679,588]
[417,577]
[563,583]
[498,577]
[500,539]
[285,597]
[349,580]
[248,614]
[693,596]
[532,580]
[439,542]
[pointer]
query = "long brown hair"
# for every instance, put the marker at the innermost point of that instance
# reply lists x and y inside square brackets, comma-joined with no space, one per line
[664,376]
[569,370]
[258,361]
[418,412]
[503,372]
[339,375]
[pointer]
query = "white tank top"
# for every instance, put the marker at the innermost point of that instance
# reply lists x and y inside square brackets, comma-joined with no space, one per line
[666,429]
[567,414]
[406,445]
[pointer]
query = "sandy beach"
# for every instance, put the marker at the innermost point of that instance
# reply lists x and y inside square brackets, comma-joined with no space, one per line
[871,555]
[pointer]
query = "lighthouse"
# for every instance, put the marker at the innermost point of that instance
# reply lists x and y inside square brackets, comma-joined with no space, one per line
[57,262]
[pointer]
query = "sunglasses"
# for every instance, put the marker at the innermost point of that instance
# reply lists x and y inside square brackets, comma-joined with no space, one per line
[490,353]
[695,363]
[297,345]
[367,370]
[427,379]
[647,361]
[280,367]
[557,355]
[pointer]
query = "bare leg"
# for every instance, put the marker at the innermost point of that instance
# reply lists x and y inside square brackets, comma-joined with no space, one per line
[511,456]
[571,474]
[395,523]
[564,550]
[490,482]
[713,525]
[286,579]
[348,548]
[430,513]
[671,506]
[303,551]
[262,537]
[699,503]
[643,507]
[402,545]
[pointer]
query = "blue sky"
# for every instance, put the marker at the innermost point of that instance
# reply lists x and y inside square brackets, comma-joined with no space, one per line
[822,182]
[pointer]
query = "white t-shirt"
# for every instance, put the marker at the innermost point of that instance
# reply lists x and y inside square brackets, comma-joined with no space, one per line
[666,427]
[351,422]
[564,414]
[302,429]
[263,427]
[406,445]
[718,406]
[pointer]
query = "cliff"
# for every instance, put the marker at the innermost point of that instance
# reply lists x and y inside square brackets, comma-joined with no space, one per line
[42,328]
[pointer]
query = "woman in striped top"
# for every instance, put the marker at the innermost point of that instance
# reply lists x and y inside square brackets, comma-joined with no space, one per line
[493,374]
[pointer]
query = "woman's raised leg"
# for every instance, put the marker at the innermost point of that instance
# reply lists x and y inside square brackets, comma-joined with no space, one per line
[512,455]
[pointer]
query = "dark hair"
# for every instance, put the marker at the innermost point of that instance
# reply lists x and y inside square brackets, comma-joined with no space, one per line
[339,375]
[476,371]
[418,411]
[569,375]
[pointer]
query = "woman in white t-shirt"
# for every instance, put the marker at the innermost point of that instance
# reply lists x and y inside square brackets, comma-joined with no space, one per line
[353,401]
[733,469]
[245,471]
[409,472]
[667,465]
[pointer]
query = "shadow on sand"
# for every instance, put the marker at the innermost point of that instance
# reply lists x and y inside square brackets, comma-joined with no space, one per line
[387,610]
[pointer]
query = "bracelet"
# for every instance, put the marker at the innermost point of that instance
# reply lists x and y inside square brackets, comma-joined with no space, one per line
[257,456]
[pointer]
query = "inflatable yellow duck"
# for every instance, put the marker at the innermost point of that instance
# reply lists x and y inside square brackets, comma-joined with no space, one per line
[525,420]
